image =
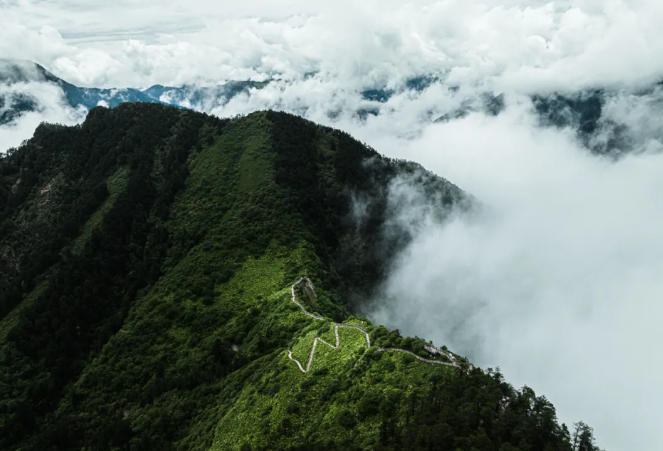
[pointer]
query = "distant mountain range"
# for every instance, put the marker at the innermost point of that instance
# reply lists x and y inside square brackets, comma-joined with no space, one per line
[583,110]
[13,105]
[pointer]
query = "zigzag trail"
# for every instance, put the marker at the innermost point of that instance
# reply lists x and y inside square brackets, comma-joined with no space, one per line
[453,363]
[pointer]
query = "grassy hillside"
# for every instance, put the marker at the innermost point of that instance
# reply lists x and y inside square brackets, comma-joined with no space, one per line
[146,262]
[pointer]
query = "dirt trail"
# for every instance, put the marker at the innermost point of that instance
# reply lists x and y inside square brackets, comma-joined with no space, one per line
[317,340]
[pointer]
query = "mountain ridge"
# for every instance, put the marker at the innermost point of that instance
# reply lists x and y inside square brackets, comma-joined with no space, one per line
[149,254]
[20,71]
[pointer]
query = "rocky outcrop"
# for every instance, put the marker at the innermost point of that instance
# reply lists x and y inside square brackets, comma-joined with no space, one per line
[309,290]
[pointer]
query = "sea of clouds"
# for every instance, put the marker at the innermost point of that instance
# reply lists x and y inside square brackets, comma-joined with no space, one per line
[557,280]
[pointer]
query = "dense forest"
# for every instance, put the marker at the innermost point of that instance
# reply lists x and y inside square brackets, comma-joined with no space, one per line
[146,259]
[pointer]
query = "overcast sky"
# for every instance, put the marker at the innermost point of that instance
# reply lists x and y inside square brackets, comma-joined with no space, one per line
[526,44]
[558,282]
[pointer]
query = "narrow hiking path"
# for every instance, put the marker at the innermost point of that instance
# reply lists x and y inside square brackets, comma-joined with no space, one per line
[317,340]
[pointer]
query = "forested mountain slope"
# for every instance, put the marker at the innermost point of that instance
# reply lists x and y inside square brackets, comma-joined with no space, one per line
[147,263]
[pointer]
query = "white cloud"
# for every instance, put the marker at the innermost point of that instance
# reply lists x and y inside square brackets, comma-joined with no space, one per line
[51,108]
[557,280]
[514,45]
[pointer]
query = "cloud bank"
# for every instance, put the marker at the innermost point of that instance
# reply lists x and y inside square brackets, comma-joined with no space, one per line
[524,45]
[556,279]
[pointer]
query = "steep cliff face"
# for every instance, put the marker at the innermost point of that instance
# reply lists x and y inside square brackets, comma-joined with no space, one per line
[148,258]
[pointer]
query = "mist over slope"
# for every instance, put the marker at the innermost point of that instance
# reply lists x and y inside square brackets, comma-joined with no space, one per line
[556,279]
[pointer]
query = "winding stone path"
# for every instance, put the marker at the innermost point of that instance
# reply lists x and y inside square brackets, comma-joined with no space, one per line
[317,340]
[437,362]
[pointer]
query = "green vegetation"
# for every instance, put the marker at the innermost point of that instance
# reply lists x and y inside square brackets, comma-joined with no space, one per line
[12,318]
[115,184]
[146,259]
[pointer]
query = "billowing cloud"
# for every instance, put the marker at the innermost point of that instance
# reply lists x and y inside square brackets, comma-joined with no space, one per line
[45,103]
[556,279]
[514,45]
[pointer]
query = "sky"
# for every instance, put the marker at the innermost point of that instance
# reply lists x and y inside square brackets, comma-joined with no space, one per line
[556,281]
